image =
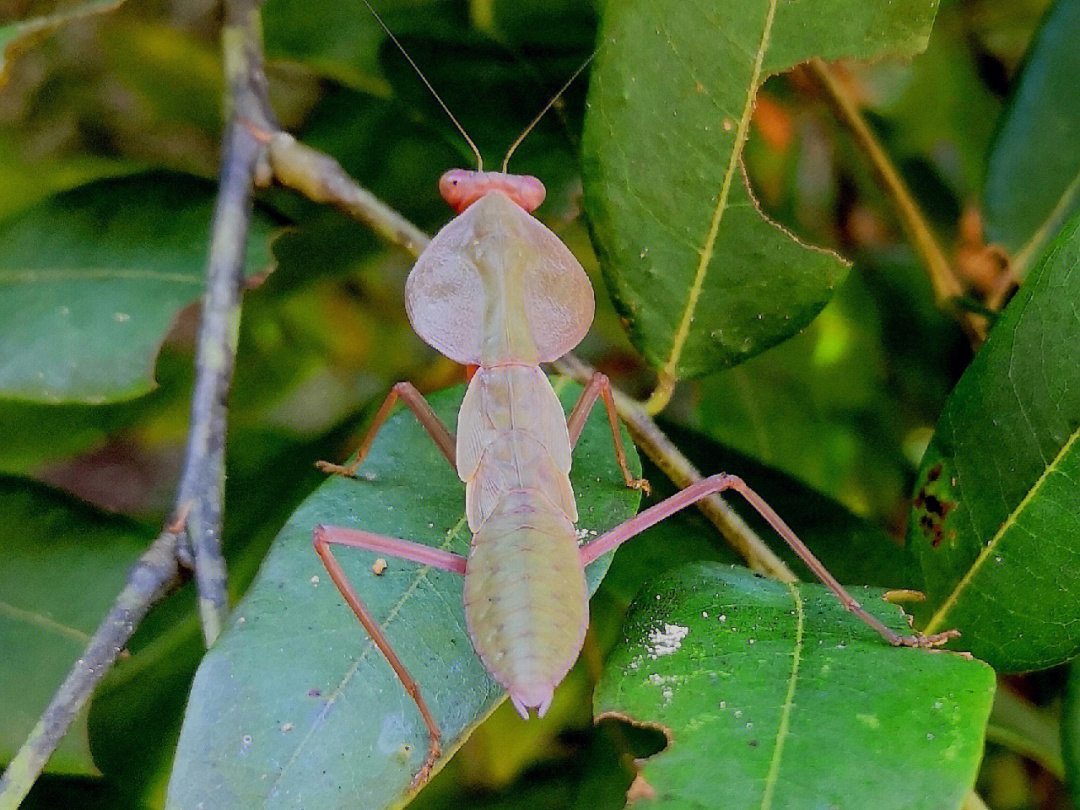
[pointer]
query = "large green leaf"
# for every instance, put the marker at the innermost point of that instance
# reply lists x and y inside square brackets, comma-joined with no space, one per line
[294,707]
[38,18]
[995,525]
[701,277]
[1033,176]
[91,279]
[772,696]
[63,565]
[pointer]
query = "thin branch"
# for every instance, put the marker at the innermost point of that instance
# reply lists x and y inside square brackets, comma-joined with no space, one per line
[947,288]
[193,535]
[202,486]
[322,179]
[658,447]
[155,574]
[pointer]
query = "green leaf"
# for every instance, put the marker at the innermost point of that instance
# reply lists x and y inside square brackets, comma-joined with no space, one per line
[702,278]
[92,279]
[1070,733]
[1033,176]
[63,565]
[816,406]
[995,526]
[294,704]
[773,696]
[41,17]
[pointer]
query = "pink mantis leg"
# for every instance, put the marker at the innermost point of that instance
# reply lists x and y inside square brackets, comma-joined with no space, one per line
[326,536]
[408,394]
[718,483]
[599,386]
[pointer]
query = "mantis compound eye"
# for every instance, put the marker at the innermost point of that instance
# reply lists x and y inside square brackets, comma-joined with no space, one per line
[462,187]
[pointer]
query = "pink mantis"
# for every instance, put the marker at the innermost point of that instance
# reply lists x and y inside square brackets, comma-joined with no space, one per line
[498,292]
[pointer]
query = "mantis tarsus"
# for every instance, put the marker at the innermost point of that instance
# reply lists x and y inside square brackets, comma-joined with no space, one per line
[498,292]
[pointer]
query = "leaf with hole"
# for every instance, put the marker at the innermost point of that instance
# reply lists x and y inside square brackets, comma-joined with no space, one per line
[702,278]
[294,706]
[994,525]
[772,695]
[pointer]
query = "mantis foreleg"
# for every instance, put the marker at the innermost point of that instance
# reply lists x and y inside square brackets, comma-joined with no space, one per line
[324,537]
[718,483]
[416,403]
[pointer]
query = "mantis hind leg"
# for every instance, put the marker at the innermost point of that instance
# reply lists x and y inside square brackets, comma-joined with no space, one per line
[719,483]
[416,403]
[599,386]
[326,536]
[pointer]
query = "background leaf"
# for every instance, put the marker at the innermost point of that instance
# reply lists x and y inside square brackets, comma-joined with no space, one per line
[38,18]
[772,696]
[293,690]
[701,277]
[92,278]
[1033,175]
[995,526]
[63,564]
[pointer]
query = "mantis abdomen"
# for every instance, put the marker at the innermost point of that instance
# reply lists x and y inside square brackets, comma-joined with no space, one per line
[526,603]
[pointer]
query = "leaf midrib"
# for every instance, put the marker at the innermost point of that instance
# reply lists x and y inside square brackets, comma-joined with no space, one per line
[421,575]
[789,701]
[683,332]
[43,622]
[1042,233]
[937,620]
[50,275]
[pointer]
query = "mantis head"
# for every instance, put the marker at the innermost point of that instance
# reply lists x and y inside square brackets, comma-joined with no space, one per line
[462,187]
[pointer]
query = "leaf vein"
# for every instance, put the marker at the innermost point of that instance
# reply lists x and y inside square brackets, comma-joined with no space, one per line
[939,616]
[421,575]
[705,256]
[48,275]
[44,622]
[789,702]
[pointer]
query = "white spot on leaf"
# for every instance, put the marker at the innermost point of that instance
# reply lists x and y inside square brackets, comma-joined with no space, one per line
[667,640]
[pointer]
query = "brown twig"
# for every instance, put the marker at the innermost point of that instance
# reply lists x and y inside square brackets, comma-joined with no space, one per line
[664,454]
[947,287]
[192,535]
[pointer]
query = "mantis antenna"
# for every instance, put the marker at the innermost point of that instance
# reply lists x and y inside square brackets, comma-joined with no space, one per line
[543,112]
[423,78]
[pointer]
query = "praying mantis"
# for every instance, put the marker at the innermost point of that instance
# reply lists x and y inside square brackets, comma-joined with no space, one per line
[498,292]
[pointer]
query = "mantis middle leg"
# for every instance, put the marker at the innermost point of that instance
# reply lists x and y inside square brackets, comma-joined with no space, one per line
[600,386]
[719,483]
[327,536]
[416,403]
